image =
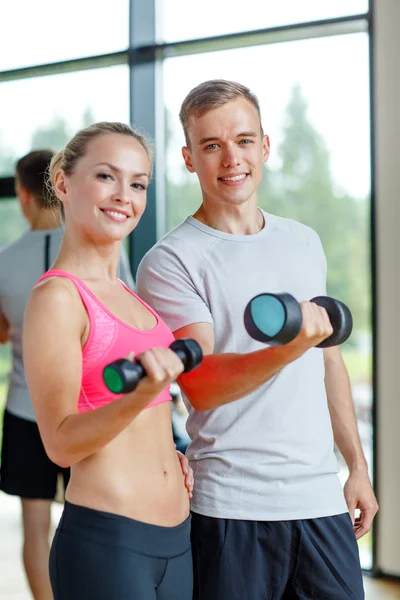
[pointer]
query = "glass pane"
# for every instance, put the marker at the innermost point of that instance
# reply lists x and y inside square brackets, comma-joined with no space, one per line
[58,106]
[318,120]
[13,225]
[223,17]
[45,31]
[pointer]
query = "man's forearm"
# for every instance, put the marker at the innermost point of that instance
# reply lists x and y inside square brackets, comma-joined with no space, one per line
[341,410]
[223,378]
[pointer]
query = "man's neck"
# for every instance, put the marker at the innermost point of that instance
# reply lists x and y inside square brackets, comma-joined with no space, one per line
[46,219]
[236,222]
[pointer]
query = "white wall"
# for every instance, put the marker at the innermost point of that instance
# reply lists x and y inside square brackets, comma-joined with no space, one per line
[387,173]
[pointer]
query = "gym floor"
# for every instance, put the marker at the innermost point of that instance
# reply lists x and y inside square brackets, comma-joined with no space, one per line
[12,579]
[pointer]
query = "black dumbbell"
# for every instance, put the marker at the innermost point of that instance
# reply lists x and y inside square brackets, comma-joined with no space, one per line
[123,375]
[275,319]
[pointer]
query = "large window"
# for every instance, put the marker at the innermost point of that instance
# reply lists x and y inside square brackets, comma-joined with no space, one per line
[210,18]
[58,106]
[314,97]
[327,90]
[48,31]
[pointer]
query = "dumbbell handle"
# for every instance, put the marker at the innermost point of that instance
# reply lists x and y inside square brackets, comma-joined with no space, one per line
[340,317]
[123,375]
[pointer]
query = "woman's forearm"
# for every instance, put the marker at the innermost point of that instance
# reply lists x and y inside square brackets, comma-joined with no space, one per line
[81,435]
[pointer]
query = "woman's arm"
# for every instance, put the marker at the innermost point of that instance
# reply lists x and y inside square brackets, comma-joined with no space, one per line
[52,348]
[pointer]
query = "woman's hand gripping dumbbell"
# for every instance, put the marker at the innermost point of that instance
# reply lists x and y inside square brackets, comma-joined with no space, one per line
[123,375]
[277,319]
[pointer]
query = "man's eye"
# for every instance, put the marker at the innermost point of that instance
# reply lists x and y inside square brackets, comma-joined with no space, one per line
[211,146]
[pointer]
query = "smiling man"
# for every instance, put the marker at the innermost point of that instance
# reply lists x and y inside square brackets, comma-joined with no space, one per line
[269,517]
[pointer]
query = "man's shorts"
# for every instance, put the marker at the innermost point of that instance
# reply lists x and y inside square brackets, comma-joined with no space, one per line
[26,470]
[312,559]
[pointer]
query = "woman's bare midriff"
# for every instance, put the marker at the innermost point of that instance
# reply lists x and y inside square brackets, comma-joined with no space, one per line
[137,475]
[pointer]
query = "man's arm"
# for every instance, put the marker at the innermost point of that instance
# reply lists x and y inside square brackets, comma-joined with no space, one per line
[223,378]
[4,329]
[358,490]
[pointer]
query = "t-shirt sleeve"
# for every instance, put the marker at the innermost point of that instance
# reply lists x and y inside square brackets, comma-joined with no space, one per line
[319,259]
[166,285]
[124,270]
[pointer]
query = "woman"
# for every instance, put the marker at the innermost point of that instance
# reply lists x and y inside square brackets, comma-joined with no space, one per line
[125,530]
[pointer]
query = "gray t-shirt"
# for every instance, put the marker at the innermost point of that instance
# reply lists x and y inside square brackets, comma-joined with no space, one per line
[22,263]
[269,455]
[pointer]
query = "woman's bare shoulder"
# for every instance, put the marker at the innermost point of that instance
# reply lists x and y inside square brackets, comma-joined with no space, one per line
[53,296]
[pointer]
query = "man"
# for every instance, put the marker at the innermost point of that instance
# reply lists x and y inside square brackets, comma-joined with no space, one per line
[269,517]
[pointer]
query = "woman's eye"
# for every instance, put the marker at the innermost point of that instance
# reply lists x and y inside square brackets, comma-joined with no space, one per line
[104,176]
[138,186]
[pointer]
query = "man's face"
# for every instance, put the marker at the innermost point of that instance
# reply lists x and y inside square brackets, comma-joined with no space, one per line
[227,150]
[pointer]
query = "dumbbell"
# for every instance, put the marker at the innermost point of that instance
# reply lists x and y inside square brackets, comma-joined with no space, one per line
[276,319]
[123,375]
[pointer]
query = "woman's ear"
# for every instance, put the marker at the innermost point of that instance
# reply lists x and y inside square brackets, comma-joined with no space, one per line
[60,186]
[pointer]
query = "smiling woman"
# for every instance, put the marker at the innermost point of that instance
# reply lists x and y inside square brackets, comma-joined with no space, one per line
[125,492]
[99,179]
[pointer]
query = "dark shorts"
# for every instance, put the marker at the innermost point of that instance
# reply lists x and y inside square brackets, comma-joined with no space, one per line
[26,470]
[275,560]
[97,555]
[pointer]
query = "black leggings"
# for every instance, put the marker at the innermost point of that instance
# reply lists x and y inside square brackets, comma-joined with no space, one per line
[101,556]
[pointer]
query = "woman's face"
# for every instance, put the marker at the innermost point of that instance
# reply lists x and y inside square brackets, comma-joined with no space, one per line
[105,196]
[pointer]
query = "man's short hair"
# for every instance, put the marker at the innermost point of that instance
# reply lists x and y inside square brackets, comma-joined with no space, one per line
[32,171]
[213,94]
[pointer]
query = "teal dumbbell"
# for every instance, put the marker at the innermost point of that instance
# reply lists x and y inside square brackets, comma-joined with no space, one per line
[276,319]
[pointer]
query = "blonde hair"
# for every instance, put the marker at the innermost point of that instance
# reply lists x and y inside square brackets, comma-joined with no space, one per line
[76,148]
[213,94]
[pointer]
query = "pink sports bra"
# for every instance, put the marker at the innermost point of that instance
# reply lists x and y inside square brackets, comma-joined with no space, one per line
[110,339]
